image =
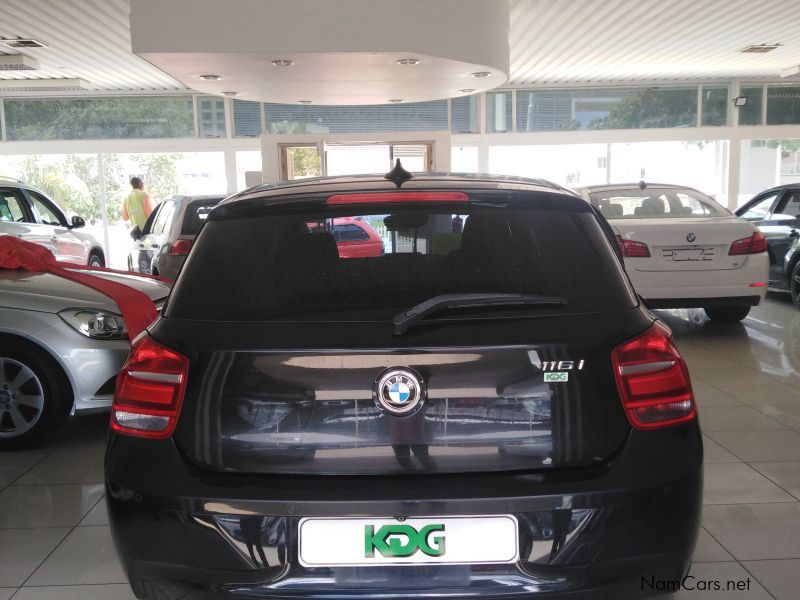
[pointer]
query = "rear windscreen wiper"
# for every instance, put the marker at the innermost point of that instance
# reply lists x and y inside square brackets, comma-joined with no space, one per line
[404,321]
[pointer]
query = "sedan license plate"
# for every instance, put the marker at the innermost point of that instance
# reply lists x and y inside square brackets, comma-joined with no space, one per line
[688,254]
[419,540]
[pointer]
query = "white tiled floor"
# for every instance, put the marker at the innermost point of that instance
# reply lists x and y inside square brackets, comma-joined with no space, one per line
[55,542]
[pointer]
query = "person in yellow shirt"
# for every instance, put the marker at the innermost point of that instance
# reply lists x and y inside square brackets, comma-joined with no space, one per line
[137,206]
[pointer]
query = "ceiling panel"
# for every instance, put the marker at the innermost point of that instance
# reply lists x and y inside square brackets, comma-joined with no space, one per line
[88,39]
[618,41]
[552,42]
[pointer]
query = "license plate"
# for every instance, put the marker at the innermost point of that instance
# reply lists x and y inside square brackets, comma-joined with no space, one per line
[419,540]
[688,254]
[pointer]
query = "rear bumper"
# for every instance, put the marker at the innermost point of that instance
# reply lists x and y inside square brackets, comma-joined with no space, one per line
[704,302]
[605,531]
[721,284]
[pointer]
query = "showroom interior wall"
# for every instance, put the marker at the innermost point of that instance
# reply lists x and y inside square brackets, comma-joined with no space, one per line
[692,135]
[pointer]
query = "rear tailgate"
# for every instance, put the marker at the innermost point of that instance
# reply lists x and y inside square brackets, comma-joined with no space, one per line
[685,244]
[487,408]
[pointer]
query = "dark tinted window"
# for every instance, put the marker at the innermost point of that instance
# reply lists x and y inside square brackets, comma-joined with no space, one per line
[288,265]
[195,216]
[349,233]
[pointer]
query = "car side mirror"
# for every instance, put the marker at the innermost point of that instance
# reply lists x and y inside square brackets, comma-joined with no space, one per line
[77,222]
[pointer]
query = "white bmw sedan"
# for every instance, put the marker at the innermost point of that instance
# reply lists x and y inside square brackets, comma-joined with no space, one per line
[682,249]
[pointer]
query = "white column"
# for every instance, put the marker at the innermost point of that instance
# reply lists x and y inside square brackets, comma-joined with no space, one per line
[230,170]
[101,170]
[734,168]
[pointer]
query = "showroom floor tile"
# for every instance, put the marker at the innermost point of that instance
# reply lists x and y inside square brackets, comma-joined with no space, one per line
[54,535]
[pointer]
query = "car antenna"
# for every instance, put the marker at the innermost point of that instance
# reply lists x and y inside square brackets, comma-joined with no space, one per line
[398,175]
[642,185]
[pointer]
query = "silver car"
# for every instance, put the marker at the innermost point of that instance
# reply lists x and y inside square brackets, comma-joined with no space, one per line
[61,347]
[169,233]
[27,213]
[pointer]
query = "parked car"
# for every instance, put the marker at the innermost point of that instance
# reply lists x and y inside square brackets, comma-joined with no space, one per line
[682,249]
[776,213]
[488,412]
[29,214]
[61,347]
[168,235]
[354,238]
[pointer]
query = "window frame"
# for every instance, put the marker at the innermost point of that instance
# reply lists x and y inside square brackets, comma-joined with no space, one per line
[33,196]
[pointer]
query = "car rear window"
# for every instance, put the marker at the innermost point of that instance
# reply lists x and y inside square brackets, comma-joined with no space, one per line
[301,264]
[195,216]
[654,203]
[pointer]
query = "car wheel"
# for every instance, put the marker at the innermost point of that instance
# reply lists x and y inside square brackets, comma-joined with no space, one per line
[35,394]
[96,259]
[727,314]
[795,284]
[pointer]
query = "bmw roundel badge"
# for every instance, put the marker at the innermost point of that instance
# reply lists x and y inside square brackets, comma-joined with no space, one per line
[691,237]
[399,391]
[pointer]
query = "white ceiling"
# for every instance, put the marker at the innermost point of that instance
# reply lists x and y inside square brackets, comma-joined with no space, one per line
[590,41]
[552,42]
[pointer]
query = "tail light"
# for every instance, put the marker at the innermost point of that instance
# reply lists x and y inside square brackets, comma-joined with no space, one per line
[653,380]
[632,249]
[755,244]
[180,248]
[150,389]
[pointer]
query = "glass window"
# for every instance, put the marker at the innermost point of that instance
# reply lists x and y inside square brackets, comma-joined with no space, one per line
[414,116]
[498,111]
[11,207]
[212,116]
[715,106]
[246,118]
[464,114]
[464,159]
[783,105]
[99,118]
[567,164]
[349,233]
[750,114]
[164,217]
[760,209]
[507,246]
[48,214]
[614,108]
[654,203]
[789,206]
[195,215]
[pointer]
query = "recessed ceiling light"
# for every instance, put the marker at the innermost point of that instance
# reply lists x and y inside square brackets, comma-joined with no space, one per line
[480,74]
[283,63]
[230,93]
[408,61]
[210,77]
[395,100]
[305,101]
[467,90]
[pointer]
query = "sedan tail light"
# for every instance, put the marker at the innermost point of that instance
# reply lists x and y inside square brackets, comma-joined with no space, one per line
[755,244]
[180,248]
[632,249]
[653,380]
[150,389]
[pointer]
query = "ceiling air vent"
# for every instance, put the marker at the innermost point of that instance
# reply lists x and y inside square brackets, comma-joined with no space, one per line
[23,43]
[18,62]
[760,48]
[11,86]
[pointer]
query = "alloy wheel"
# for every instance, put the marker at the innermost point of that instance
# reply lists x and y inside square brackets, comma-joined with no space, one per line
[21,398]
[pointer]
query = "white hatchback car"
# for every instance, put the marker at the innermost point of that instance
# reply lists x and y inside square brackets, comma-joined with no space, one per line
[682,249]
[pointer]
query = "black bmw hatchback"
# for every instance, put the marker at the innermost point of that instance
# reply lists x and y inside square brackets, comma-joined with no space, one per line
[485,409]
